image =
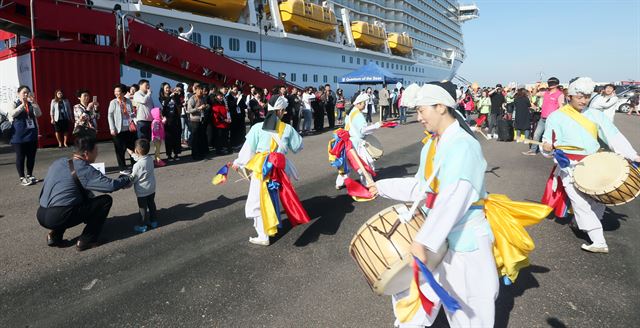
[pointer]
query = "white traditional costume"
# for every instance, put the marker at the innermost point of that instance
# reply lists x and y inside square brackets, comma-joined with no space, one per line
[577,134]
[356,125]
[455,210]
[263,154]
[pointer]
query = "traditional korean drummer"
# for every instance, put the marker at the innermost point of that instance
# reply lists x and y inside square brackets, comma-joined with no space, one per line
[468,270]
[356,125]
[577,131]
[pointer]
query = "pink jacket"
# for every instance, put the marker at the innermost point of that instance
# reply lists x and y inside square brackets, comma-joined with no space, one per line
[157,125]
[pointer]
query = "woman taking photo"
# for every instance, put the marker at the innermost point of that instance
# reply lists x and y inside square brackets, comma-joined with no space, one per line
[60,113]
[24,126]
[85,114]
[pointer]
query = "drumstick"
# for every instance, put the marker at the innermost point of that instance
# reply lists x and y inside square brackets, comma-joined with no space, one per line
[482,133]
[364,172]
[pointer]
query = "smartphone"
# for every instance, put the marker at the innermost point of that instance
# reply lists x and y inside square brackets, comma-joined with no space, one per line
[95,99]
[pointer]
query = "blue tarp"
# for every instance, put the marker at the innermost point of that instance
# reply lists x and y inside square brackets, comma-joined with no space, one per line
[370,74]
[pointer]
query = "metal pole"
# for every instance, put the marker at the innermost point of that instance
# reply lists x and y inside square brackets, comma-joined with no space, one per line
[33,25]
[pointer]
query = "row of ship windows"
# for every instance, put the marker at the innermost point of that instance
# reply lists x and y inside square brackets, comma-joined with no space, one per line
[215,41]
[395,66]
[292,77]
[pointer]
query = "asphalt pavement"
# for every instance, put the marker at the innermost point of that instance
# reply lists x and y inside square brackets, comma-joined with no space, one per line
[198,269]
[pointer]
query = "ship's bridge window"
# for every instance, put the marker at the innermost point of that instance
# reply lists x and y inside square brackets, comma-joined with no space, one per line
[251,47]
[315,77]
[293,77]
[196,37]
[335,79]
[215,41]
[350,60]
[365,61]
[304,77]
[145,74]
[344,58]
[234,44]
[325,79]
[358,61]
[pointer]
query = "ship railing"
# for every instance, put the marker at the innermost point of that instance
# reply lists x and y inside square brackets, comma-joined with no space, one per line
[213,51]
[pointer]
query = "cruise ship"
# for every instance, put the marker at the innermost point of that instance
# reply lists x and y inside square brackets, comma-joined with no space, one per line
[312,43]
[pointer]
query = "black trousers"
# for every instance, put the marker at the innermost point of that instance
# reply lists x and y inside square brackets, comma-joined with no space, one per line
[369,110]
[172,134]
[295,120]
[93,213]
[199,146]
[385,112]
[25,151]
[318,119]
[238,131]
[144,130]
[331,116]
[222,140]
[121,142]
[147,208]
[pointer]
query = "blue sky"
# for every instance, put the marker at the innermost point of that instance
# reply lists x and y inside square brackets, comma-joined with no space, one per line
[516,40]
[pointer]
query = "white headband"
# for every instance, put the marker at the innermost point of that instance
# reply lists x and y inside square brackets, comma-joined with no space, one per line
[361,98]
[281,103]
[427,95]
[584,85]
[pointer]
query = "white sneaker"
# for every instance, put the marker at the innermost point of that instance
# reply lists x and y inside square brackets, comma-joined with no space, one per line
[340,181]
[257,241]
[26,182]
[593,248]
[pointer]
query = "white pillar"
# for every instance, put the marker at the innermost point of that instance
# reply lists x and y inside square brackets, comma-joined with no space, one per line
[275,15]
[346,23]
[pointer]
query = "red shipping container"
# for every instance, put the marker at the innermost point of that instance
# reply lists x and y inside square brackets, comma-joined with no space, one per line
[73,67]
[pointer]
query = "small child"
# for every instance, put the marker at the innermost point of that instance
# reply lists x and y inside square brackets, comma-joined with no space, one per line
[157,134]
[144,184]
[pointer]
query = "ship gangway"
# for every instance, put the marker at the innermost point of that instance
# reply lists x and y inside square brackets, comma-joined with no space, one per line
[73,46]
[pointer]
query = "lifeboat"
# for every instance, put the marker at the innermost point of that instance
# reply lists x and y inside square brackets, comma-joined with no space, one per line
[301,17]
[400,44]
[367,35]
[226,9]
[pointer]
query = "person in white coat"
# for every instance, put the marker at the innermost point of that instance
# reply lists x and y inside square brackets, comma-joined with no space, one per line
[606,101]
[454,214]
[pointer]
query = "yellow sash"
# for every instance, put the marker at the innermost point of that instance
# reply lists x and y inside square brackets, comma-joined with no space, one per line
[352,114]
[591,127]
[428,166]
[268,212]
[511,247]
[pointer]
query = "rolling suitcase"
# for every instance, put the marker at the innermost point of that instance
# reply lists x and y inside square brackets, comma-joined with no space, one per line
[505,130]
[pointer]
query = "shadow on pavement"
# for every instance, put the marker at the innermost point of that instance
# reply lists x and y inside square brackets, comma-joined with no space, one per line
[397,171]
[121,227]
[326,219]
[555,323]
[611,220]
[506,298]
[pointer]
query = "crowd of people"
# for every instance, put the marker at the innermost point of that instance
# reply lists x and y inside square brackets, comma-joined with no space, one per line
[517,113]
[451,196]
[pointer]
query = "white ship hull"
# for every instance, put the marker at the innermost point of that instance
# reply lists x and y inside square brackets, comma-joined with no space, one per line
[306,61]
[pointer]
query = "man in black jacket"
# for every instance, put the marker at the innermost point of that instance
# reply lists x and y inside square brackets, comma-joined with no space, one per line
[238,110]
[497,100]
[329,101]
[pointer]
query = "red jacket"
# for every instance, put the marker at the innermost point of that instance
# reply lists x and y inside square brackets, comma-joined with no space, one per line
[221,118]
